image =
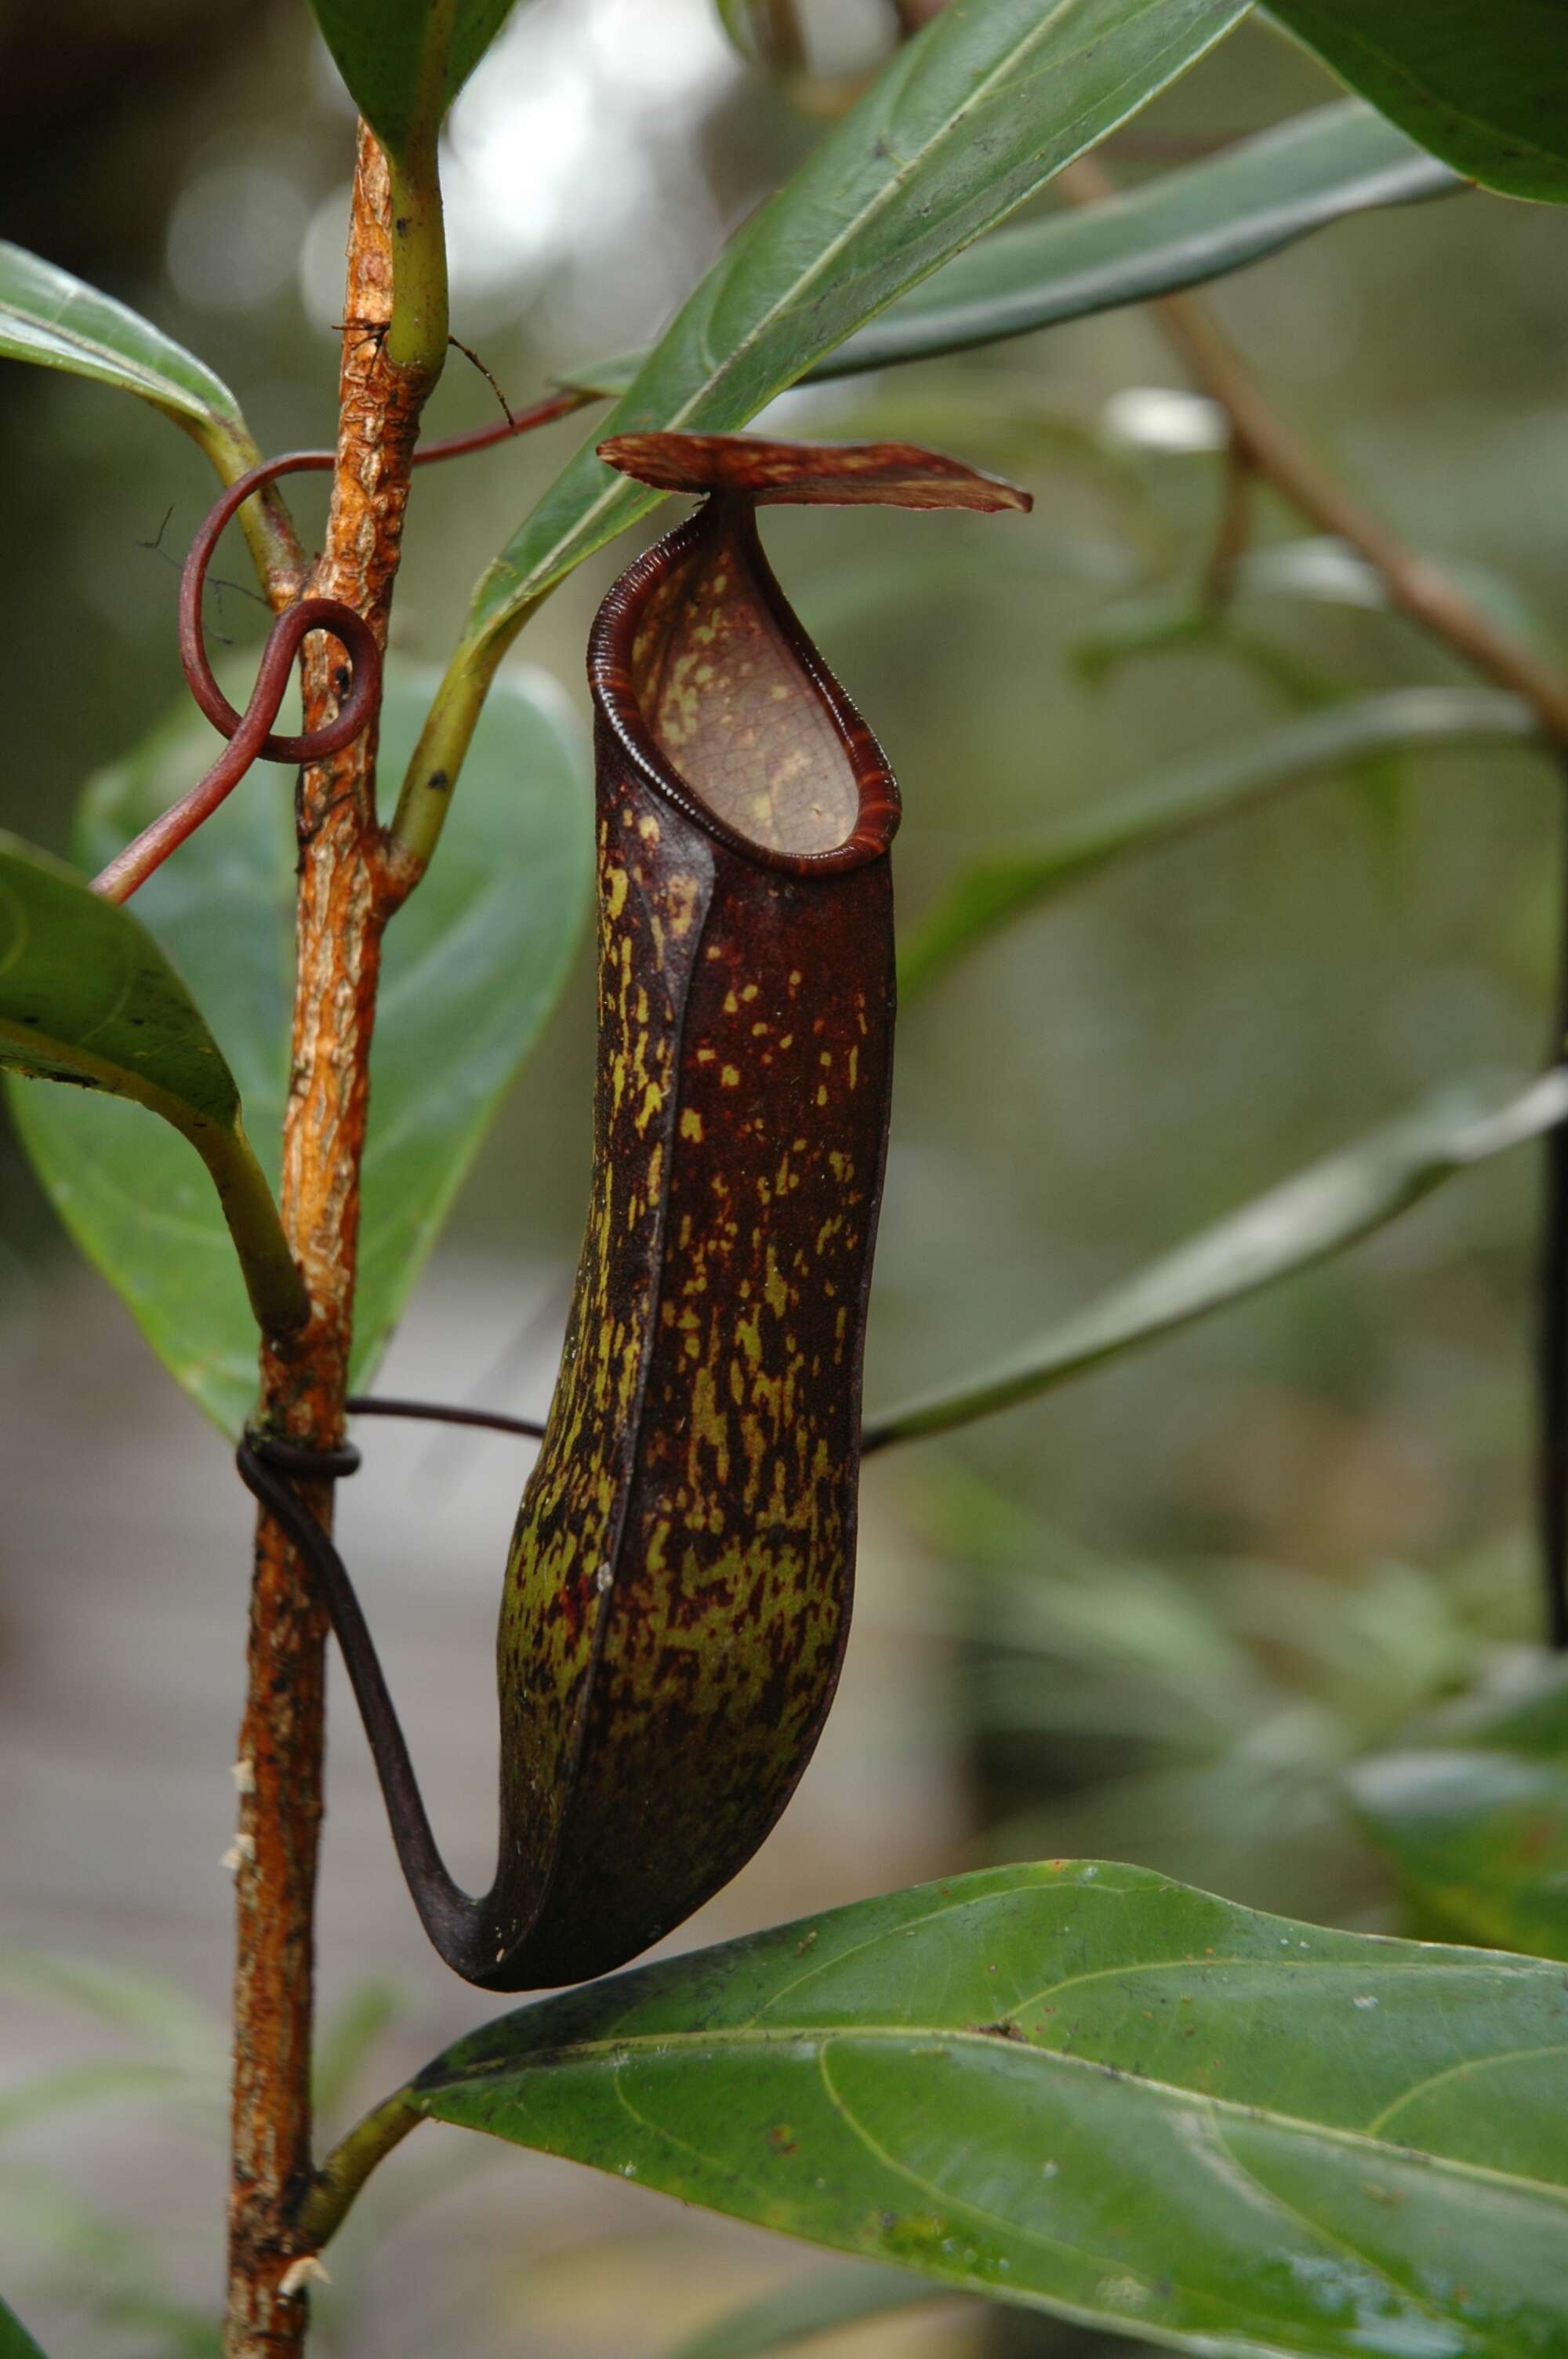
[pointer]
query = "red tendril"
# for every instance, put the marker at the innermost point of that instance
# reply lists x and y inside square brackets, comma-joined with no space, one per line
[249,734]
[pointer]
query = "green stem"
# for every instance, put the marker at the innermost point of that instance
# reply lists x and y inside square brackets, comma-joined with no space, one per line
[427,793]
[416,334]
[273,1282]
[276,1290]
[264,520]
[340,2178]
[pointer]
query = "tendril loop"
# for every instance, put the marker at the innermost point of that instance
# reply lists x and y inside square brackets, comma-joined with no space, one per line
[250,733]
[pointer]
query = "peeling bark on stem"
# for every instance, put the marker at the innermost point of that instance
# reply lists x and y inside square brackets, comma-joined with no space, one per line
[342,906]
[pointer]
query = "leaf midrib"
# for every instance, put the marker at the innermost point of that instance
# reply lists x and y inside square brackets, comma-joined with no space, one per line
[645,2047]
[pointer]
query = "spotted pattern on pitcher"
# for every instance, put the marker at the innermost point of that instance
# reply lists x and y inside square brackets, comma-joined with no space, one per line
[678,1589]
[678,1593]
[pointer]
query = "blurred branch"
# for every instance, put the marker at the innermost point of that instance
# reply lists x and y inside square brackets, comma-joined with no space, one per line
[785,34]
[1552,1342]
[1234,529]
[1261,439]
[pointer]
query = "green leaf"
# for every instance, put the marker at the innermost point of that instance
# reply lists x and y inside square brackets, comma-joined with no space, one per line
[106,2080]
[88,997]
[1484,87]
[474,965]
[1325,1207]
[1471,1809]
[823,2303]
[158,2013]
[966,122]
[403,61]
[357,2025]
[15,2343]
[1176,231]
[1195,794]
[58,321]
[1094,2091]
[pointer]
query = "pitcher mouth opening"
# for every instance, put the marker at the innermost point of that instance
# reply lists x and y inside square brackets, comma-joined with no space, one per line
[721,701]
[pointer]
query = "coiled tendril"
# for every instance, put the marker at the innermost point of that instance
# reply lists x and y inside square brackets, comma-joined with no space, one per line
[250,733]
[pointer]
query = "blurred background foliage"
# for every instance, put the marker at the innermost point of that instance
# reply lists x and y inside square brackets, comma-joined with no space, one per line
[1163,1611]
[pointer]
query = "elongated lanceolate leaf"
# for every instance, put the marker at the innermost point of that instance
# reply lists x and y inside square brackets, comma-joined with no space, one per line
[15,2343]
[1323,1209]
[1176,231]
[1092,2090]
[968,120]
[59,322]
[472,968]
[1483,84]
[1471,1809]
[403,61]
[824,2303]
[109,2080]
[1195,794]
[86,997]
